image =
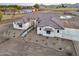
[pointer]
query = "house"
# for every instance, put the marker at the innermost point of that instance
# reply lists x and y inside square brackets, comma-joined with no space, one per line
[22,24]
[10,12]
[24,11]
[49,26]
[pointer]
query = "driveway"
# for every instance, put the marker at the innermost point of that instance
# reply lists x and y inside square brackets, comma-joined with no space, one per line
[71,34]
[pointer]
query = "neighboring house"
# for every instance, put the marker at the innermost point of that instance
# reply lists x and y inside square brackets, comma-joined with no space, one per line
[24,11]
[8,12]
[50,26]
[23,24]
[11,12]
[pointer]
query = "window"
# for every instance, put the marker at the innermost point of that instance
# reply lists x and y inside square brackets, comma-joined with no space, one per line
[40,28]
[48,32]
[57,31]
[20,24]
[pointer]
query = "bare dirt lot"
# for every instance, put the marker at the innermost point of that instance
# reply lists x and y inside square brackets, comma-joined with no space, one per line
[72,23]
[14,47]
[33,45]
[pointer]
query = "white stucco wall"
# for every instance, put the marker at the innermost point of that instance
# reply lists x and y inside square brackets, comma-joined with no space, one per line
[25,26]
[58,34]
[53,33]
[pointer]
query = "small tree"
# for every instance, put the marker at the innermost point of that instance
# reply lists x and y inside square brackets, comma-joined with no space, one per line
[36,6]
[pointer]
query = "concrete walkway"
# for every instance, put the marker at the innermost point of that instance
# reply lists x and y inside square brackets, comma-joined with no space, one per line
[71,34]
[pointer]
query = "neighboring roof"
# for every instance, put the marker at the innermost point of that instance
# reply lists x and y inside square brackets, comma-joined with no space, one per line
[26,10]
[22,20]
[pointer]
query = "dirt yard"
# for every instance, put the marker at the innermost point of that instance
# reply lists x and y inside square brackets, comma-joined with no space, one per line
[33,44]
[72,23]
